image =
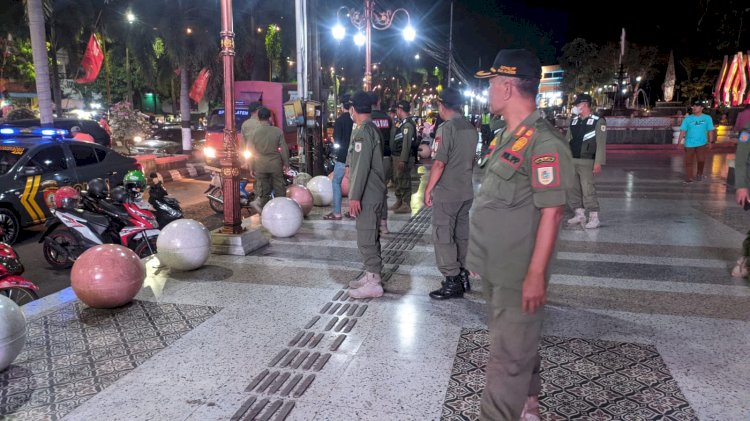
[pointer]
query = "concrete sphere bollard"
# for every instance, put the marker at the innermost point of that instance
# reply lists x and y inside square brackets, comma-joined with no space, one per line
[424,151]
[344,184]
[282,217]
[184,244]
[322,190]
[302,196]
[12,331]
[302,179]
[107,276]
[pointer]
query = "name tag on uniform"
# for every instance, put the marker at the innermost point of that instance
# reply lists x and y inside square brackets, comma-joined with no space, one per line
[511,158]
[357,146]
[590,122]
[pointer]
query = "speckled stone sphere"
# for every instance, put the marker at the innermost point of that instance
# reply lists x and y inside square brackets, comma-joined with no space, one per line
[322,190]
[302,179]
[184,244]
[344,184]
[282,217]
[12,331]
[107,276]
[424,151]
[302,196]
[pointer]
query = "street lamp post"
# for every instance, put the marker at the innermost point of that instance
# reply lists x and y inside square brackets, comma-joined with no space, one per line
[367,20]
[130,18]
[230,166]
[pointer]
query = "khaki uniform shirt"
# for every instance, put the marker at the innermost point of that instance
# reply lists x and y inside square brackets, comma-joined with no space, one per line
[247,129]
[366,174]
[742,158]
[456,150]
[269,149]
[531,168]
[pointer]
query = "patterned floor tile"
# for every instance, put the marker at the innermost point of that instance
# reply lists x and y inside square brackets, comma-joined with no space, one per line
[582,379]
[75,352]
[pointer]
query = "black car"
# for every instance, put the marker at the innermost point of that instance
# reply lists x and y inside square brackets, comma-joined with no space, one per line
[91,127]
[32,164]
[168,140]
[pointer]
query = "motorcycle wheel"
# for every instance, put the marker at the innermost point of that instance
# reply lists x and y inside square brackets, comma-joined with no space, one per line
[142,249]
[66,240]
[20,295]
[217,206]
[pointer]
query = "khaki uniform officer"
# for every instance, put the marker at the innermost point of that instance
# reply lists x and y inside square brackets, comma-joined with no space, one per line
[450,193]
[588,143]
[366,190]
[270,160]
[741,183]
[248,126]
[515,223]
[402,155]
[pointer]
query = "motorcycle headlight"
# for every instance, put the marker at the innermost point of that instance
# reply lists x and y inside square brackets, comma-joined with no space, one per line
[247,154]
[336,146]
[137,139]
[209,152]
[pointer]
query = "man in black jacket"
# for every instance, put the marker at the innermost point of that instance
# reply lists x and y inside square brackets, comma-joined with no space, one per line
[342,133]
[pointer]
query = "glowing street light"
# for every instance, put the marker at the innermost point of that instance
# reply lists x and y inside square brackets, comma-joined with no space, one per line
[410,34]
[360,39]
[416,56]
[130,17]
[339,32]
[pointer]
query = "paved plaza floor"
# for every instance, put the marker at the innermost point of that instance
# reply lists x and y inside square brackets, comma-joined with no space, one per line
[644,322]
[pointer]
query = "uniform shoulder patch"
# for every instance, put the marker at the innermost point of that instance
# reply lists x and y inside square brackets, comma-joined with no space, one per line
[545,170]
[603,128]
[358,146]
[744,137]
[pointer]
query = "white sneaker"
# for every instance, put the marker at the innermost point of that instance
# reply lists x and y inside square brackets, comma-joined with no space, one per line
[371,289]
[579,218]
[593,220]
[359,283]
[740,269]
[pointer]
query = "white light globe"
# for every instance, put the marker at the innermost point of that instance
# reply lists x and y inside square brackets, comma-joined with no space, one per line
[409,33]
[339,32]
[359,39]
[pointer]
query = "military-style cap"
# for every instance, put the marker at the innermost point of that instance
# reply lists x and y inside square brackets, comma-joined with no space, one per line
[254,106]
[698,103]
[362,102]
[404,105]
[346,98]
[451,97]
[583,98]
[514,63]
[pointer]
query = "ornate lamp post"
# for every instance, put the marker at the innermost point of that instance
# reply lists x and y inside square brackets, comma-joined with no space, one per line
[366,20]
[230,166]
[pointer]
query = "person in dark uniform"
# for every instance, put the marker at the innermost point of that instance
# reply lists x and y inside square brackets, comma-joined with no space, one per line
[384,125]
[403,142]
[342,133]
[741,183]
[515,224]
[270,159]
[450,193]
[366,190]
[389,176]
[588,143]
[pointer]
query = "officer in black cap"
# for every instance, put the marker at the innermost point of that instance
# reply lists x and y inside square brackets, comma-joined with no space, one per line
[248,126]
[514,226]
[588,143]
[450,193]
[366,191]
[402,151]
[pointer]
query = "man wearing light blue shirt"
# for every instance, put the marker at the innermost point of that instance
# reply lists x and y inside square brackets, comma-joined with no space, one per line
[697,132]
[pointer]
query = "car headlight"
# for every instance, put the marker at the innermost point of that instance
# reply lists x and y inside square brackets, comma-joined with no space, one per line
[247,154]
[209,152]
[336,146]
[137,139]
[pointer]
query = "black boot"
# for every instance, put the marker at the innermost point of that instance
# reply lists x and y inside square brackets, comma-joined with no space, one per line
[464,274]
[452,288]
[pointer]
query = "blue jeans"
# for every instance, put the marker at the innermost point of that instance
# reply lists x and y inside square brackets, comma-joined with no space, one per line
[338,176]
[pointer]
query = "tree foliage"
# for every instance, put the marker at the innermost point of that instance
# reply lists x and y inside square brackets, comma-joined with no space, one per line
[273,49]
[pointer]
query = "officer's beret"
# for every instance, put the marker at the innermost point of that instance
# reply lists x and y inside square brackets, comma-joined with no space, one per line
[514,63]
[404,105]
[363,101]
[583,98]
[451,98]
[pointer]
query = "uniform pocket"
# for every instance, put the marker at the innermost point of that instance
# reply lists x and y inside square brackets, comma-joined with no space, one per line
[497,184]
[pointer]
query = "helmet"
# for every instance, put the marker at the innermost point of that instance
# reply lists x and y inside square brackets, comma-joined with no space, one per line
[119,194]
[134,180]
[67,198]
[97,188]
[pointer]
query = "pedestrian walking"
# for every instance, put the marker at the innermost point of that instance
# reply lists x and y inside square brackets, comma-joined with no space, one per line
[587,136]
[450,193]
[697,134]
[515,224]
[366,190]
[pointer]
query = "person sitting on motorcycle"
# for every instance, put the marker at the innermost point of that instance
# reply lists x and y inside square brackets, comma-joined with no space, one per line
[135,184]
[270,160]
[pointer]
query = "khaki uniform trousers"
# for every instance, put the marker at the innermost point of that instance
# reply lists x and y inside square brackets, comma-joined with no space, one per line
[583,193]
[450,235]
[265,182]
[403,182]
[368,236]
[513,368]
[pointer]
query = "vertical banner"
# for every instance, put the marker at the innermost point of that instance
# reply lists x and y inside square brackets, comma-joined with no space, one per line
[92,61]
[199,86]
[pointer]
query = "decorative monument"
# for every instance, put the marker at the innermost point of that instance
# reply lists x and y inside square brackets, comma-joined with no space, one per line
[668,107]
[732,85]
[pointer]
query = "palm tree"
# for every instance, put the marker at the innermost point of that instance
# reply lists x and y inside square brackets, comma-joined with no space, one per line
[39,50]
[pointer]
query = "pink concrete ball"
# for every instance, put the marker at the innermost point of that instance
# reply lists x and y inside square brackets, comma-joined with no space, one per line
[301,195]
[107,276]
[344,184]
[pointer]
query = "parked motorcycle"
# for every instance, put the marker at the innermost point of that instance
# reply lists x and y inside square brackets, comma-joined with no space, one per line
[81,222]
[12,284]
[166,209]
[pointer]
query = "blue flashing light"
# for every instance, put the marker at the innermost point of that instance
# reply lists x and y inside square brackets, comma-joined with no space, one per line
[49,132]
[22,131]
[9,131]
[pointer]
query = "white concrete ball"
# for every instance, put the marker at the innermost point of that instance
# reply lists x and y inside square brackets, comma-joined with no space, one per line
[184,244]
[12,331]
[282,217]
[322,190]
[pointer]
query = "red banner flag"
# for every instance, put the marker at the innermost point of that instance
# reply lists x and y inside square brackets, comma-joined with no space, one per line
[92,61]
[199,86]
